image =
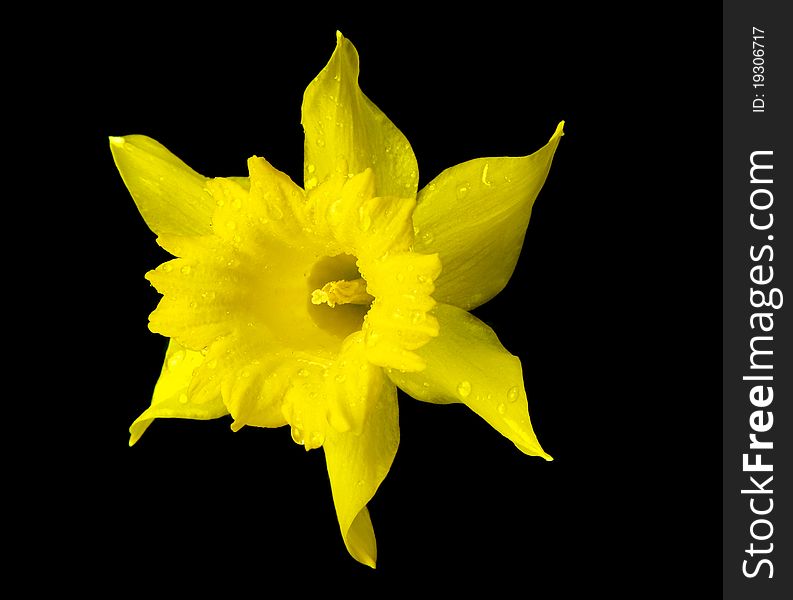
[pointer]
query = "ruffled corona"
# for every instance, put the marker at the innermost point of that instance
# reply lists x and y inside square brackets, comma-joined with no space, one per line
[246,296]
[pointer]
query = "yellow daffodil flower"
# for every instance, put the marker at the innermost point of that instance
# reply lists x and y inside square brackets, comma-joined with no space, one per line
[309,306]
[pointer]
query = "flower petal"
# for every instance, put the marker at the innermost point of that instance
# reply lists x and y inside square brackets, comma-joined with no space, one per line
[358,463]
[169,195]
[171,394]
[342,125]
[475,216]
[199,295]
[466,363]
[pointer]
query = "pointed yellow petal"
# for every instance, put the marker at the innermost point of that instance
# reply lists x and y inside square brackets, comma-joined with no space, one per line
[475,216]
[171,394]
[466,363]
[341,123]
[357,464]
[169,195]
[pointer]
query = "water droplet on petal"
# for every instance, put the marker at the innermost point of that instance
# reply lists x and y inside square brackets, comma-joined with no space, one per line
[303,372]
[167,268]
[400,277]
[175,359]
[340,378]
[485,180]
[364,219]
[320,142]
[502,408]
[464,388]
[512,394]
[186,270]
[183,398]
[274,212]
[297,435]
[418,317]
[462,190]
[317,438]
[311,168]
[427,237]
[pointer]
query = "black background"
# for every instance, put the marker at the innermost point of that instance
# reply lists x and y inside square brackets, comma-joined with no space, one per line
[613,309]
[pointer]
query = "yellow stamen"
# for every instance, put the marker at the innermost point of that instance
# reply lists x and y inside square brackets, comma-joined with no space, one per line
[342,292]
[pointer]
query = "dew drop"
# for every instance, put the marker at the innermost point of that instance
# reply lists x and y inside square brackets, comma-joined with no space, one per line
[512,394]
[427,237]
[186,270]
[502,408]
[297,435]
[311,168]
[464,388]
[340,378]
[311,183]
[316,439]
[400,277]
[220,202]
[320,142]
[237,203]
[484,175]
[183,398]
[194,305]
[418,317]
[462,190]
[372,339]
[303,372]
[176,359]
[364,219]
[167,268]
[422,278]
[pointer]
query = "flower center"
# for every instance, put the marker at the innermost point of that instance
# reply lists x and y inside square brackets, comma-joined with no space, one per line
[342,292]
[337,294]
